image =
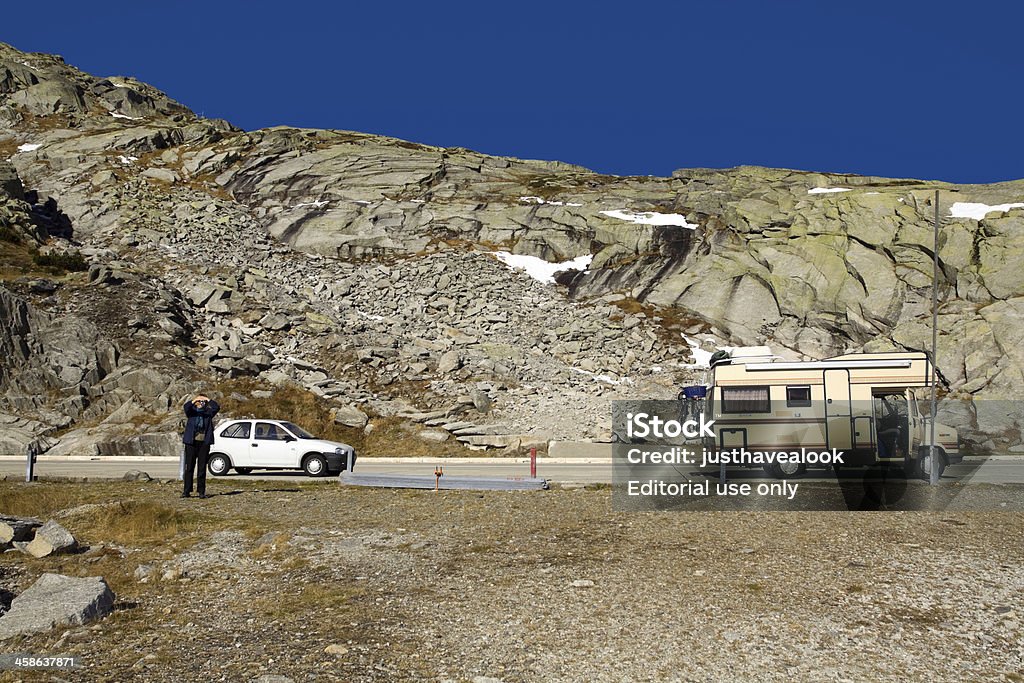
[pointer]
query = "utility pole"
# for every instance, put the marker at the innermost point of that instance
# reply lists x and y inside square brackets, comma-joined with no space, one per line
[933,474]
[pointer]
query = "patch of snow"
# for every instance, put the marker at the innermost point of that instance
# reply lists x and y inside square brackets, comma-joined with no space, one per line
[361,201]
[28,147]
[977,211]
[538,268]
[651,218]
[116,115]
[827,190]
[370,316]
[602,378]
[701,358]
[317,204]
[872,193]
[127,161]
[418,201]
[537,200]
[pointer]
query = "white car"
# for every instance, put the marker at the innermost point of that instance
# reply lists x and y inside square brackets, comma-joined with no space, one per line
[248,445]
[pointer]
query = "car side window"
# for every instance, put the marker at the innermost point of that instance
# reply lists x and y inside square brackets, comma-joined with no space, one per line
[268,431]
[239,430]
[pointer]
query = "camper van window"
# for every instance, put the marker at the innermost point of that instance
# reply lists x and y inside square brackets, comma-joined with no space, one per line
[798,397]
[745,400]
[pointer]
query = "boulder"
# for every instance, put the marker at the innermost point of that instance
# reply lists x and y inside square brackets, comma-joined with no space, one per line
[449,362]
[350,416]
[50,539]
[432,435]
[56,600]
[162,174]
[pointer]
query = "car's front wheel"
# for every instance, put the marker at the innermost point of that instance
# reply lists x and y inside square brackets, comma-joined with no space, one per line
[315,465]
[218,465]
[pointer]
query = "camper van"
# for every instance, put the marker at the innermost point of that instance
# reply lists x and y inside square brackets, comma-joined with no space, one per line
[864,405]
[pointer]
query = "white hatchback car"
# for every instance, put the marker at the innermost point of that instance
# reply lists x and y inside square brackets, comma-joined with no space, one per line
[248,445]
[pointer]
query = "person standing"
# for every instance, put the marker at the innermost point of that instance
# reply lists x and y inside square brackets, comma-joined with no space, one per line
[198,438]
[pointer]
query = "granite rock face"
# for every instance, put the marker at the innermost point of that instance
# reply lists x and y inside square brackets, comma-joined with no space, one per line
[361,269]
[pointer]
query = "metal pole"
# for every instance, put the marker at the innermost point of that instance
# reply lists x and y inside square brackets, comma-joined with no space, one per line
[30,474]
[933,476]
[181,465]
[533,463]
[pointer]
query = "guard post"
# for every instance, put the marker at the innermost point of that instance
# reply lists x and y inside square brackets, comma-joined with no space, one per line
[30,471]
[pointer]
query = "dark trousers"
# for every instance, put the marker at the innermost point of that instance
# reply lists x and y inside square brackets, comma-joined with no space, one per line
[196,455]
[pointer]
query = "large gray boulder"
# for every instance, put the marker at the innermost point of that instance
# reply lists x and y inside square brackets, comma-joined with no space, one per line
[56,600]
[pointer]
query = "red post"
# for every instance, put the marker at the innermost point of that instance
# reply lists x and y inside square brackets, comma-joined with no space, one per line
[533,463]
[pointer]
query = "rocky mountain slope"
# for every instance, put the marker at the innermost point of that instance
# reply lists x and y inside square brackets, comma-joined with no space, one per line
[361,269]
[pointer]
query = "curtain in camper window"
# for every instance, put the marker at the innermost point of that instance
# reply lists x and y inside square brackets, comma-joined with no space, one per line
[745,400]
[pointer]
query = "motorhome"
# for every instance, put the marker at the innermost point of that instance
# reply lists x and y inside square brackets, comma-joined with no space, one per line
[865,405]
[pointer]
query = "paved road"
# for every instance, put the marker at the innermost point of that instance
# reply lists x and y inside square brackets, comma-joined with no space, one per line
[999,470]
[562,471]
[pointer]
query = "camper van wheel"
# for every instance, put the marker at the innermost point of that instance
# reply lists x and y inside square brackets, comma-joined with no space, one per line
[787,470]
[924,462]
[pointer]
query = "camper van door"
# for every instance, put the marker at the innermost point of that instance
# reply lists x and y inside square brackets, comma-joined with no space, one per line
[837,409]
[917,424]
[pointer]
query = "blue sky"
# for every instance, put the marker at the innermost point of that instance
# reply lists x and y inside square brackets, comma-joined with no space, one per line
[902,88]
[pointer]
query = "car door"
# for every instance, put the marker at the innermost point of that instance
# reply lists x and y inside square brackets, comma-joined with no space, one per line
[271,446]
[233,441]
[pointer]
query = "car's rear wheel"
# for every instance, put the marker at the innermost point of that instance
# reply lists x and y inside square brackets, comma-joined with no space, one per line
[218,465]
[315,465]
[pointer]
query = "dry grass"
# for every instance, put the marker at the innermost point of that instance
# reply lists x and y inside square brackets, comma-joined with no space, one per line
[37,500]
[389,436]
[136,522]
[671,321]
[8,148]
[105,514]
[16,262]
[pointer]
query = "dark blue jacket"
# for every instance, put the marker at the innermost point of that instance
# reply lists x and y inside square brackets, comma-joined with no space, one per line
[194,414]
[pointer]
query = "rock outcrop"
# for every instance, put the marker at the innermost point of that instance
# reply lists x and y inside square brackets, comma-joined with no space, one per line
[361,268]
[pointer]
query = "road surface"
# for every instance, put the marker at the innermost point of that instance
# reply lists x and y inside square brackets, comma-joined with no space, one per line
[996,470]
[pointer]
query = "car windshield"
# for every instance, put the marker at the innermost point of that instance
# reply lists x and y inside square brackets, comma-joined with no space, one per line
[297,430]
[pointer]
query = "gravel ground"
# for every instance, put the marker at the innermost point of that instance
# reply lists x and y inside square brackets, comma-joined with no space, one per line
[525,586]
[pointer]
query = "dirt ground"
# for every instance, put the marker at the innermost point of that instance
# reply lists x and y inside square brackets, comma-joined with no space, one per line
[263,577]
